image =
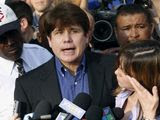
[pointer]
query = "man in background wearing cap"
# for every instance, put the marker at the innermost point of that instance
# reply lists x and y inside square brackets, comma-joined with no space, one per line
[11,49]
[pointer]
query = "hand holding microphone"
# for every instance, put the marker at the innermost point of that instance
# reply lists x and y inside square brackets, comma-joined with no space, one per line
[16,111]
[15,117]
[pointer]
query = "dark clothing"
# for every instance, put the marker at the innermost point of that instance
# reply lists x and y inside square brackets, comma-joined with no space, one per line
[42,83]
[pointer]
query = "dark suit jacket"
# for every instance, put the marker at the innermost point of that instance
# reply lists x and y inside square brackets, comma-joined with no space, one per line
[42,82]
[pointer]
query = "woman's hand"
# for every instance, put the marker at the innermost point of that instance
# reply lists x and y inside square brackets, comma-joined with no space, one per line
[149,102]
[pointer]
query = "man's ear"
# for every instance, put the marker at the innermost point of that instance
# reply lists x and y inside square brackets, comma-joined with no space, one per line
[49,41]
[152,27]
[115,31]
[24,24]
[88,35]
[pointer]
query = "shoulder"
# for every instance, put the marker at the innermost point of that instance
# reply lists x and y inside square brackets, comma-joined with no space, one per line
[33,46]
[36,51]
[101,58]
[39,72]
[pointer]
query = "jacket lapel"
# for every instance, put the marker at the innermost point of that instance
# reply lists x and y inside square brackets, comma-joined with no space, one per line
[51,88]
[95,78]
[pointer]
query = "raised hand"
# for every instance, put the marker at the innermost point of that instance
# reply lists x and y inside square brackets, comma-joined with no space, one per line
[149,102]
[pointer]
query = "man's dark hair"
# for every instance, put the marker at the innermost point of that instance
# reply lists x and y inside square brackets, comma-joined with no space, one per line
[132,9]
[22,10]
[64,15]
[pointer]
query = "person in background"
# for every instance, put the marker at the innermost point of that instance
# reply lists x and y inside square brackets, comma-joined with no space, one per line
[156,12]
[12,52]
[41,36]
[81,3]
[39,7]
[25,16]
[73,69]
[138,76]
[132,22]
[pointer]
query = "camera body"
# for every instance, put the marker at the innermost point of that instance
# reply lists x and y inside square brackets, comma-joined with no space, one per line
[103,34]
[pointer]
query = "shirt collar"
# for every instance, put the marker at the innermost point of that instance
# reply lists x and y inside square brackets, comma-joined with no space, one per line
[61,69]
[24,57]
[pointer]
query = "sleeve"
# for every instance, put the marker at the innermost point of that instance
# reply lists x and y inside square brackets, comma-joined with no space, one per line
[20,95]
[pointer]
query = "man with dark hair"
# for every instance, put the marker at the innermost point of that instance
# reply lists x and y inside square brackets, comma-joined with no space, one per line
[73,70]
[133,22]
[16,58]
[24,13]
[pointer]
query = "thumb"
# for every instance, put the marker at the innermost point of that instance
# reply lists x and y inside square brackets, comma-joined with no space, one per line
[155,93]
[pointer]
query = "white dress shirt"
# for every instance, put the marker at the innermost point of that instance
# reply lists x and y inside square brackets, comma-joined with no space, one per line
[120,101]
[32,56]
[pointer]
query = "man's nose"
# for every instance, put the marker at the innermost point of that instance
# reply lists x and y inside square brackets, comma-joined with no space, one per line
[133,34]
[67,36]
[10,41]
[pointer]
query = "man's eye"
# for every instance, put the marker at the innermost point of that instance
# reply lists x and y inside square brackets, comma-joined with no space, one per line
[58,32]
[125,28]
[3,39]
[141,26]
[75,31]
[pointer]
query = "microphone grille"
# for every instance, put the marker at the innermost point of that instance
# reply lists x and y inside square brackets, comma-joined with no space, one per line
[83,100]
[42,108]
[118,112]
[94,113]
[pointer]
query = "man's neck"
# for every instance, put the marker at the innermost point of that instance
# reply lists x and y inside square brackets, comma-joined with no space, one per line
[28,34]
[38,13]
[71,67]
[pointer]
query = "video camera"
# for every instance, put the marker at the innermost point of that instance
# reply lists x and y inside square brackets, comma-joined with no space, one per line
[103,34]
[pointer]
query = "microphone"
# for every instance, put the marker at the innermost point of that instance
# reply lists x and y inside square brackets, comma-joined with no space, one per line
[118,113]
[42,111]
[114,114]
[79,106]
[94,113]
[19,108]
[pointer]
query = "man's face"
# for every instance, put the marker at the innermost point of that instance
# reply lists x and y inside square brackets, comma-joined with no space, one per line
[41,5]
[68,44]
[10,48]
[133,27]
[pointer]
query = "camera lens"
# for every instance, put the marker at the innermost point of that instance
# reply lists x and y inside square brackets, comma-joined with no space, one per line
[103,31]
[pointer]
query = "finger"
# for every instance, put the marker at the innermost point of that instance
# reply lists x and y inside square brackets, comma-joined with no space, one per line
[155,93]
[136,85]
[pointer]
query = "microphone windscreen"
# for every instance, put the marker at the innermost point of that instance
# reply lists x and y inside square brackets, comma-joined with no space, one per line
[43,108]
[94,113]
[118,113]
[56,110]
[83,100]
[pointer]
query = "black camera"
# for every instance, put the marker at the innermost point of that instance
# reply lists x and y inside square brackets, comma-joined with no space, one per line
[144,3]
[103,34]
